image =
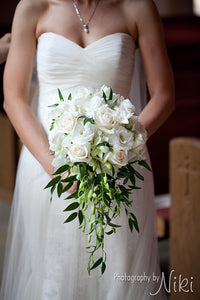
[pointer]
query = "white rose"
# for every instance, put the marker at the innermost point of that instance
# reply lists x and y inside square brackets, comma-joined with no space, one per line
[119,157]
[105,118]
[83,134]
[92,105]
[122,138]
[66,122]
[125,111]
[79,152]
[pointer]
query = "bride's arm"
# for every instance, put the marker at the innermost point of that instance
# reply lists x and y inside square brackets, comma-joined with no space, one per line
[17,79]
[156,66]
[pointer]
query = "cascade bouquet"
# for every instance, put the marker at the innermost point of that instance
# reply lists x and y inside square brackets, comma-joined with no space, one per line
[96,141]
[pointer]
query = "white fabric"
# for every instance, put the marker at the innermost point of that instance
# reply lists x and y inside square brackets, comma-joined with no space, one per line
[46,259]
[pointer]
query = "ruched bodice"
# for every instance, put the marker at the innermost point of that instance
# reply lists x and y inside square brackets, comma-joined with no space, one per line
[64,64]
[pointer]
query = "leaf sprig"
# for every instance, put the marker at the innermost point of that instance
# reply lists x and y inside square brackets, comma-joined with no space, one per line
[97,203]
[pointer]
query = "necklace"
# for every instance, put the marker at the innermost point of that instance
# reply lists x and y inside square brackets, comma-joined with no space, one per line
[85,24]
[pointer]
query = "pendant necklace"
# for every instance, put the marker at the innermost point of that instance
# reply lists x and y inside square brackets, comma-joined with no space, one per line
[85,24]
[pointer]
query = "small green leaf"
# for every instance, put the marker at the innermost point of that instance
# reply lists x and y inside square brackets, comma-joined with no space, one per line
[103,267]
[69,97]
[72,206]
[72,196]
[113,225]
[69,179]
[53,105]
[71,217]
[52,125]
[80,217]
[87,119]
[59,189]
[62,169]
[130,223]
[104,96]
[115,103]
[144,164]
[97,263]
[60,95]
[67,187]
[110,95]
[109,232]
[138,175]
[53,182]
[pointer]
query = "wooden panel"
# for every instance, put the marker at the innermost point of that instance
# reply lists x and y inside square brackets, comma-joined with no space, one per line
[185,218]
[8,158]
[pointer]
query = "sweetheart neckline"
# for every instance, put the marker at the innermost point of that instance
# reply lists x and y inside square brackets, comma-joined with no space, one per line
[91,44]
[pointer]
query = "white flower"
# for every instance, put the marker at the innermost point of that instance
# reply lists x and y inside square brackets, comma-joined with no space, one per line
[83,133]
[119,157]
[139,142]
[79,153]
[122,138]
[105,118]
[81,96]
[125,111]
[66,122]
[92,105]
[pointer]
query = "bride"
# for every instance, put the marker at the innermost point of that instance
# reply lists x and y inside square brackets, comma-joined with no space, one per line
[87,43]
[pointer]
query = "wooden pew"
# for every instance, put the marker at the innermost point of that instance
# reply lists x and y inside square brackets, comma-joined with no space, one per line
[185,218]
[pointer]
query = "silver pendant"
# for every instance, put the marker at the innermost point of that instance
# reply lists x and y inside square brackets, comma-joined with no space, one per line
[85,27]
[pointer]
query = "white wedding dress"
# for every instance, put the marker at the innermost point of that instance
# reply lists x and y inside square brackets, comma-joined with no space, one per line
[46,259]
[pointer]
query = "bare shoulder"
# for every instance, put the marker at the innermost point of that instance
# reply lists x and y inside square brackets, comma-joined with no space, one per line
[31,9]
[140,12]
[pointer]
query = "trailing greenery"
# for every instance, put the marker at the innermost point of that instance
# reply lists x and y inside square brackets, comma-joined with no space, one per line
[98,201]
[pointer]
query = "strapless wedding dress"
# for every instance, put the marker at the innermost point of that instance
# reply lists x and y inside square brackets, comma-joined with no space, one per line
[46,259]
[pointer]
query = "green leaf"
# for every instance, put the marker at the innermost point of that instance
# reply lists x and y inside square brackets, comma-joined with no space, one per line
[135,222]
[71,217]
[82,170]
[72,196]
[59,189]
[87,119]
[54,181]
[125,180]
[67,187]
[52,124]
[144,164]
[72,206]
[60,95]
[104,96]
[130,223]
[80,217]
[110,95]
[69,179]
[103,267]
[113,225]
[62,169]
[132,179]
[109,232]
[69,97]
[53,105]
[115,103]
[53,188]
[138,175]
[97,263]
